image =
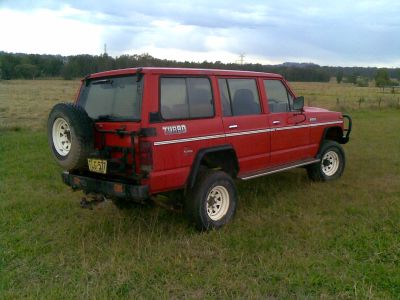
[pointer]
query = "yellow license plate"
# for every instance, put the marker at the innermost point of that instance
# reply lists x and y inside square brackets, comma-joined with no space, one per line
[97,165]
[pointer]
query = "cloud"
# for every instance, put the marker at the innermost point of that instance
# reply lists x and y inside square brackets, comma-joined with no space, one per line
[330,33]
[46,31]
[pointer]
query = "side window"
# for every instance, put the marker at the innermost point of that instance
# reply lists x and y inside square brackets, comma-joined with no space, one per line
[186,98]
[239,97]
[174,103]
[200,98]
[279,99]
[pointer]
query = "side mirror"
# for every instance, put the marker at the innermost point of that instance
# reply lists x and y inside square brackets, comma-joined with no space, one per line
[298,103]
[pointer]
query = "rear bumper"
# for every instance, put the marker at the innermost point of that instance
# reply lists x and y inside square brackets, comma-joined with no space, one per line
[109,189]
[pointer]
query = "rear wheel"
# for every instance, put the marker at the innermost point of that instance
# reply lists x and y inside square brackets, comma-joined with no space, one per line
[331,165]
[213,200]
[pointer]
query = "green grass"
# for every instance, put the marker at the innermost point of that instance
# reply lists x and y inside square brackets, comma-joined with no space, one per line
[27,103]
[291,238]
[345,96]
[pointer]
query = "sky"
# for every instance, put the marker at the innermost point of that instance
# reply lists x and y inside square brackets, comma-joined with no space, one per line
[333,33]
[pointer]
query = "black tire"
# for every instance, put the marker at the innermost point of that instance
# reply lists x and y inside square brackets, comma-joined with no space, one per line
[77,134]
[224,198]
[331,165]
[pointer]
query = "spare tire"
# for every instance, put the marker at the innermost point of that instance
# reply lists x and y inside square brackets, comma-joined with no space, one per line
[70,135]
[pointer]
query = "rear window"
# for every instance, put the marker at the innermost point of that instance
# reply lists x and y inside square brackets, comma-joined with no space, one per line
[186,98]
[114,98]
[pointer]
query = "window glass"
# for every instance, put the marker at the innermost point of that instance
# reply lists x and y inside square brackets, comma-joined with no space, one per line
[200,98]
[113,98]
[185,98]
[279,99]
[243,97]
[225,101]
[174,102]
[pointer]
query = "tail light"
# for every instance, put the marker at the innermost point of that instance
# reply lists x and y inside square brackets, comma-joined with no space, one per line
[146,156]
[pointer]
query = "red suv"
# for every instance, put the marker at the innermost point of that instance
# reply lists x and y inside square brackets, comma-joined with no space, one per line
[134,133]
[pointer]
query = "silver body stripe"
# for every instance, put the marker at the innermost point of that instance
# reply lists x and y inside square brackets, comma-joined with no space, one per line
[326,123]
[291,127]
[208,137]
[218,136]
[248,132]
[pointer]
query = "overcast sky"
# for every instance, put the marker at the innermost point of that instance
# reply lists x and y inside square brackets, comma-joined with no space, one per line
[336,33]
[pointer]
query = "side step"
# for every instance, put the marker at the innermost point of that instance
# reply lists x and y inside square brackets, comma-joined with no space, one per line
[278,169]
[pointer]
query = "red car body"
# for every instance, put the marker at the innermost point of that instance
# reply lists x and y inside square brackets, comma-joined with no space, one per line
[167,152]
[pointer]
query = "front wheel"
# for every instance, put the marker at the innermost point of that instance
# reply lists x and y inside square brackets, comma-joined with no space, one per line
[213,200]
[331,165]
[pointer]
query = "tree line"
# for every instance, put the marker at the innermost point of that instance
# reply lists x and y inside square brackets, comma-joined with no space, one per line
[32,66]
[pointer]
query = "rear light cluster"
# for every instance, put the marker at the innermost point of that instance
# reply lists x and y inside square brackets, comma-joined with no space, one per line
[146,156]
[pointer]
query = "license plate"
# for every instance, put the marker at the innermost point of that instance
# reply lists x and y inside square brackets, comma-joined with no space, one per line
[97,165]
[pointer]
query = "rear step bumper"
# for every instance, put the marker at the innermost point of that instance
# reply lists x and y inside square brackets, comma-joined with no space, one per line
[109,189]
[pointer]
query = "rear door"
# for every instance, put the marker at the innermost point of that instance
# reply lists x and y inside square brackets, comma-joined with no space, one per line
[244,122]
[188,123]
[290,135]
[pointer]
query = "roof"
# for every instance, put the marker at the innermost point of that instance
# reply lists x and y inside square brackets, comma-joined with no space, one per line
[182,71]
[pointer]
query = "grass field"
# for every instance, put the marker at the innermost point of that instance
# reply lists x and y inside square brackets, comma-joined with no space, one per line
[291,238]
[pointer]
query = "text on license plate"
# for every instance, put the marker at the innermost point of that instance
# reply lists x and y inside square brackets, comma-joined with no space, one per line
[97,165]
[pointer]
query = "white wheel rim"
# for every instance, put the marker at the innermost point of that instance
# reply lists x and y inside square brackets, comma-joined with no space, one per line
[330,163]
[217,202]
[61,136]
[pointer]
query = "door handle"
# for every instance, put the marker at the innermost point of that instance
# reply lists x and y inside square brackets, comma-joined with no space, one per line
[233,126]
[276,122]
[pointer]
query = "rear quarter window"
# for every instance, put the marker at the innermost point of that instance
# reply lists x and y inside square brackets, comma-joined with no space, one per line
[186,98]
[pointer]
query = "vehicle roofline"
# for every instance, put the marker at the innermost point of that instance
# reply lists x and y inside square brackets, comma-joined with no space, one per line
[181,71]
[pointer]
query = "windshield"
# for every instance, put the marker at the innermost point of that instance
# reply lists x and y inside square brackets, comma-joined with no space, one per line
[114,98]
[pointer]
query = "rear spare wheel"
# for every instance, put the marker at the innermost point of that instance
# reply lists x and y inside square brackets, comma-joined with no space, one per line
[70,135]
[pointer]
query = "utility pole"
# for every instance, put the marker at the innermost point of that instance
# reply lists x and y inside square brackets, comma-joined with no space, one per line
[105,49]
[241,60]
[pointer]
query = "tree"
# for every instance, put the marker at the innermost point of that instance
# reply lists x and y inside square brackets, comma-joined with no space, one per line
[382,78]
[352,78]
[26,71]
[339,76]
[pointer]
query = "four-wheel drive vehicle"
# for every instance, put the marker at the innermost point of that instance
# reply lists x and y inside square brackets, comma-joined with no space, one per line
[134,133]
